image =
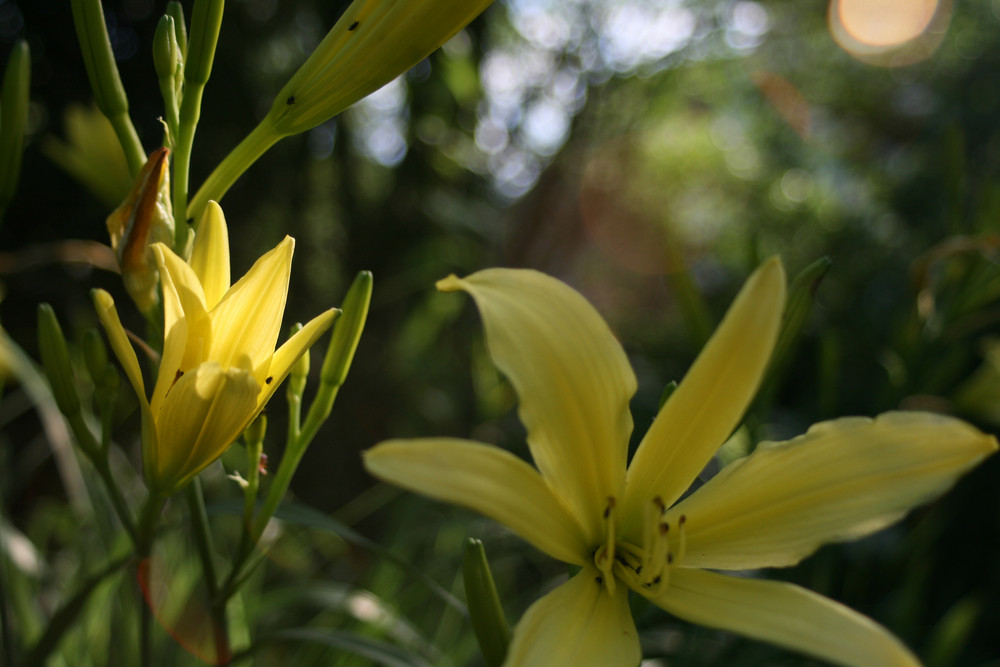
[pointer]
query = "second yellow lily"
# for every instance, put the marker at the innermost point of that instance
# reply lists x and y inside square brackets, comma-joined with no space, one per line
[628,528]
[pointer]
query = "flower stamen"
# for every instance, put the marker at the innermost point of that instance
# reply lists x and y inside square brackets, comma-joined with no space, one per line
[604,559]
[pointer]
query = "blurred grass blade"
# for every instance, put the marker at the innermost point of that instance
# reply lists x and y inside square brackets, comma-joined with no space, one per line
[485,610]
[64,619]
[105,82]
[952,632]
[14,99]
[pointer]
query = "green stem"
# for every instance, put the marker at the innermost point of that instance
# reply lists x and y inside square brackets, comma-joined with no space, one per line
[231,168]
[189,114]
[202,534]
[146,534]
[130,142]
[98,456]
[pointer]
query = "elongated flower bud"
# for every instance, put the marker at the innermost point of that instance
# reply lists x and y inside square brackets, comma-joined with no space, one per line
[485,610]
[347,330]
[88,17]
[55,359]
[373,42]
[13,116]
[144,218]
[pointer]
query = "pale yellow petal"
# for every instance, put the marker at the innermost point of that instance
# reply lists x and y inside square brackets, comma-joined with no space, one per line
[123,349]
[286,355]
[841,480]
[783,614]
[210,254]
[187,330]
[108,314]
[203,413]
[245,324]
[578,624]
[710,400]
[572,377]
[488,480]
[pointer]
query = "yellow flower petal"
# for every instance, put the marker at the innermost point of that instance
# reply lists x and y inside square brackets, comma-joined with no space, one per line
[246,322]
[577,624]
[286,355]
[710,401]
[572,377]
[108,314]
[785,615]
[186,328]
[841,480]
[203,413]
[210,254]
[488,480]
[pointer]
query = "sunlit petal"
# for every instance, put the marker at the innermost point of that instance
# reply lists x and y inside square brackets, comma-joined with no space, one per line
[841,480]
[286,355]
[577,624]
[203,413]
[108,314]
[488,480]
[210,254]
[246,322]
[710,401]
[571,375]
[785,615]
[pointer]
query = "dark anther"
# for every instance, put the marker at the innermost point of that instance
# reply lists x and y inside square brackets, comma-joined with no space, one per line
[670,559]
[178,375]
[657,579]
[268,380]
[683,519]
[599,580]
[291,100]
[190,221]
[638,570]
[353,26]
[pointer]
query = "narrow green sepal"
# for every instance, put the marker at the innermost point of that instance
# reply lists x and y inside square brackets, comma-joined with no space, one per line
[347,330]
[485,611]
[55,360]
[801,297]
[14,99]
[176,11]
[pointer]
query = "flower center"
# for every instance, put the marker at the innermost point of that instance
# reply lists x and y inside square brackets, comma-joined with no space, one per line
[644,569]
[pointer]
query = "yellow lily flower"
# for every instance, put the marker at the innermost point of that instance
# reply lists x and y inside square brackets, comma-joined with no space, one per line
[627,528]
[219,366]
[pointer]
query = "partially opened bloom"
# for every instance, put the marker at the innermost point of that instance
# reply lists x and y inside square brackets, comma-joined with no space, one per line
[219,366]
[627,528]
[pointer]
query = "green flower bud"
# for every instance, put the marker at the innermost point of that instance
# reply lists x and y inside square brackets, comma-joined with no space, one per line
[88,17]
[176,12]
[485,612]
[347,331]
[95,354]
[55,360]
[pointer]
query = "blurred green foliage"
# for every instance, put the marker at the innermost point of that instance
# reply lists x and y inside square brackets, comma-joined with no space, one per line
[535,139]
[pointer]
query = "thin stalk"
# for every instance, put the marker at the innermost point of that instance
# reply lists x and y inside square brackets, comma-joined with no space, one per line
[146,534]
[98,457]
[231,168]
[202,534]
[135,155]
